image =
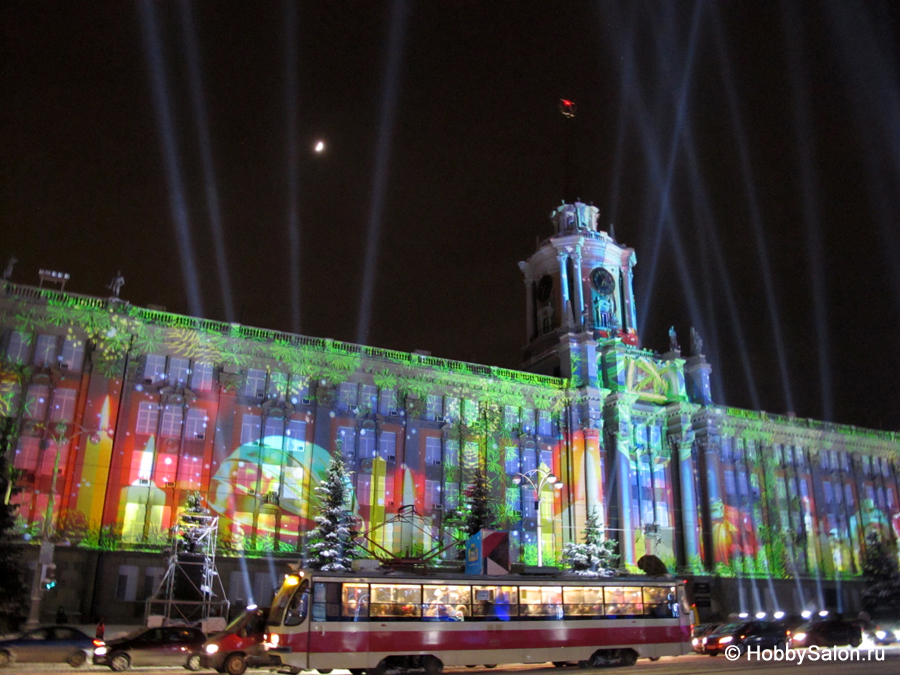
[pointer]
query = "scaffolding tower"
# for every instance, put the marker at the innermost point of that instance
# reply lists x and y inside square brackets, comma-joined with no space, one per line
[191,591]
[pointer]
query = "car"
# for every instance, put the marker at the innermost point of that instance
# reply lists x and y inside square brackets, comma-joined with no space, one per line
[47,644]
[163,646]
[762,634]
[827,633]
[239,645]
[700,631]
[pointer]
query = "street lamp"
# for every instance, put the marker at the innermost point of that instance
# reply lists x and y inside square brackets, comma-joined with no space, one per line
[45,561]
[538,479]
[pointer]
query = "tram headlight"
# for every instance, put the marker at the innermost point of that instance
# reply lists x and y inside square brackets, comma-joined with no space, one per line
[212,649]
[291,580]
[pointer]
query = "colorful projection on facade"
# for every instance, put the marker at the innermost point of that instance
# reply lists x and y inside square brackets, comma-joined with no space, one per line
[137,408]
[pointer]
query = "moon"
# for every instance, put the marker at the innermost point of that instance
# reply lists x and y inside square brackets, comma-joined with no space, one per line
[319,147]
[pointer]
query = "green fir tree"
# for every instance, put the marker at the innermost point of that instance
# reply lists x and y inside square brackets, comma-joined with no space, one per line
[880,570]
[13,591]
[332,544]
[596,556]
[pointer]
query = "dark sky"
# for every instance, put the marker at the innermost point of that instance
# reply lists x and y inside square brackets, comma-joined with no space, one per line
[748,151]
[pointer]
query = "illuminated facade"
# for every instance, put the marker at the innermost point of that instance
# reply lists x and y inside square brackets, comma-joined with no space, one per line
[134,408]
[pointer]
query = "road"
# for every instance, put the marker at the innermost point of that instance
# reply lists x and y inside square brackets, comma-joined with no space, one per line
[682,665]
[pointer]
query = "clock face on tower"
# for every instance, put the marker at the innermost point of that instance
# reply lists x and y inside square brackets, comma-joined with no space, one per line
[602,281]
[545,287]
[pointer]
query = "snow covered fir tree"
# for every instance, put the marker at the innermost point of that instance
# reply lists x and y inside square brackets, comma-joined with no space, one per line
[332,544]
[595,557]
[882,575]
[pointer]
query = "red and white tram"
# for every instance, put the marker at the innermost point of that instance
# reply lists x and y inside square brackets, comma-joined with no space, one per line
[374,622]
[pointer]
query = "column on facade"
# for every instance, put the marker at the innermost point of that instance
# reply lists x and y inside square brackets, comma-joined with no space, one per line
[623,447]
[682,446]
[632,311]
[579,288]
[529,311]
[713,497]
[565,302]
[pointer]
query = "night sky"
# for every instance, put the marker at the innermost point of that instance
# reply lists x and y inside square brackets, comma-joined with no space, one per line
[749,152]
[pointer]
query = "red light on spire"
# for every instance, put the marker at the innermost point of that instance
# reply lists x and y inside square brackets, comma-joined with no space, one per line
[567,107]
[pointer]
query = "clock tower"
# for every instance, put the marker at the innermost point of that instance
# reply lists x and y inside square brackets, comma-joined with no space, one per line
[578,291]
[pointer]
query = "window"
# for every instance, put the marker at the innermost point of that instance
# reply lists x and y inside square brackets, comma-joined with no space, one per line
[434,407]
[451,495]
[296,436]
[277,384]
[147,419]
[155,368]
[547,458]
[730,488]
[250,429]
[36,402]
[171,421]
[527,420]
[451,408]
[347,441]
[451,454]
[623,601]
[387,402]
[201,377]
[364,490]
[432,494]
[27,452]
[63,408]
[432,451]
[45,351]
[367,444]
[470,411]
[510,417]
[72,354]
[195,427]
[300,391]
[545,427]
[369,397]
[512,460]
[274,432]
[255,385]
[470,455]
[529,460]
[126,585]
[387,446]
[19,344]
[539,601]
[179,369]
[396,600]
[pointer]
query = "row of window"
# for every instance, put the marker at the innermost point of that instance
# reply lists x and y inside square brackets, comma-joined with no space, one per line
[49,350]
[353,601]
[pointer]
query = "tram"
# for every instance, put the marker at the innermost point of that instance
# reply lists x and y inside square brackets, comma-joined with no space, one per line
[377,621]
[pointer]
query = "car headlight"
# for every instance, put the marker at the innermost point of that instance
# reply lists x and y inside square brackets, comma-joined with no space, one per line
[99,651]
[695,642]
[799,637]
[212,649]
[704,640]
[725,640]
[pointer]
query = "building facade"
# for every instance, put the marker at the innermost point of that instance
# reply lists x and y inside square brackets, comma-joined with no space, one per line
[115,413]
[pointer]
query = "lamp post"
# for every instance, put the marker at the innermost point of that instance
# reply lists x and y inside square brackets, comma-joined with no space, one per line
[538,479]
[45,561]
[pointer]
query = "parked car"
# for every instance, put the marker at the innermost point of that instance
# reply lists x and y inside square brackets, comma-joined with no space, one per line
[47,644]
[232,650]
[827,633]
[165,646]
[700,631]
[762,634]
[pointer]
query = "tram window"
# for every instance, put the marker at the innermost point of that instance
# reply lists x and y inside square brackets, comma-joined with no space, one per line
[295,613]
[355,602]
[446,602]
[657,601]
[495,602]
[326,601]
[396,600]
[623,601]
[581,601]
[541,601]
